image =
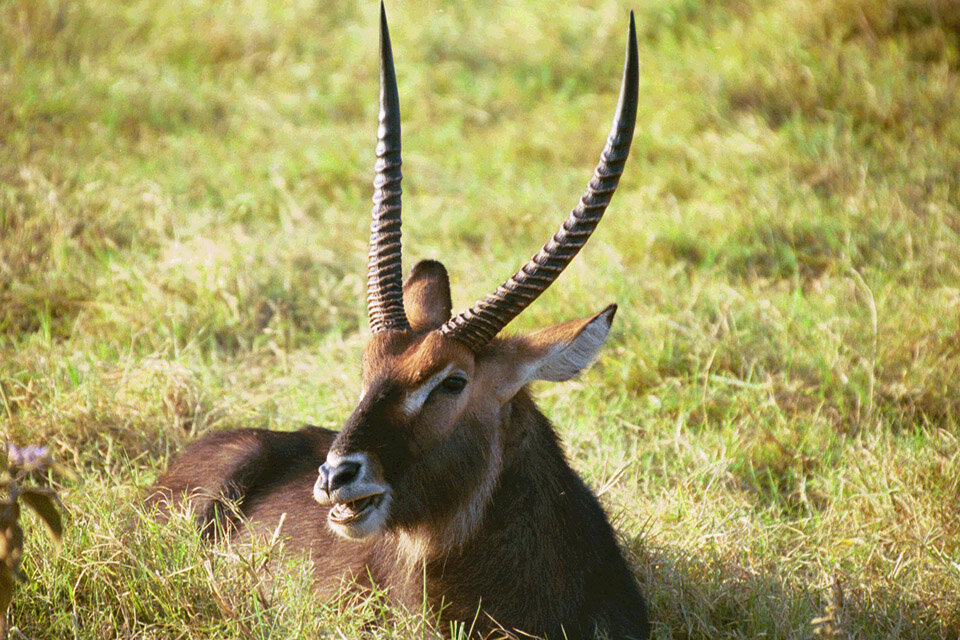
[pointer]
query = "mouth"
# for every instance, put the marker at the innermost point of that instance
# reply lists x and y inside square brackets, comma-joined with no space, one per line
[353,511]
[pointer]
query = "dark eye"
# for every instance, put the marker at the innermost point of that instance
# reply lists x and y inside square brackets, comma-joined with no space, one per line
[453,384]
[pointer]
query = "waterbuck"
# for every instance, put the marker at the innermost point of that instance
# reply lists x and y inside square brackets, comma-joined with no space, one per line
[446,482]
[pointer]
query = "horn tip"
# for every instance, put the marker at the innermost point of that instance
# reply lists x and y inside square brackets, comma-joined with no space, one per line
[631,68]
[384,30]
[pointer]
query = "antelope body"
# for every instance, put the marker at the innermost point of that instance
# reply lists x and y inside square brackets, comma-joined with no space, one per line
[446,481]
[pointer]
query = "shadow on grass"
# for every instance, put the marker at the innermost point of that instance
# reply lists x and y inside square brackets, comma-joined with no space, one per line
[698,596]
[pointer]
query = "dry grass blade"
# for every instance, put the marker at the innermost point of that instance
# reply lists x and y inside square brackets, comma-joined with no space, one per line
[184,200]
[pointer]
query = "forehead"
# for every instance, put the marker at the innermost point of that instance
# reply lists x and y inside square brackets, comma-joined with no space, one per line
[411,358]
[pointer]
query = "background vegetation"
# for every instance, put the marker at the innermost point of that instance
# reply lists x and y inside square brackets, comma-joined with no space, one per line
[184,198]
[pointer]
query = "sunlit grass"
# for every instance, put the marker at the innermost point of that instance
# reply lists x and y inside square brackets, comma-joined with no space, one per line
[184,200]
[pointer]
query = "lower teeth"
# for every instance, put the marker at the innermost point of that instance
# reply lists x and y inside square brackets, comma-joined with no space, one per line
[350,510]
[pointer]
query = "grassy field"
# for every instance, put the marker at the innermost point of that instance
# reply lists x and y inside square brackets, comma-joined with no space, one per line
[773,427]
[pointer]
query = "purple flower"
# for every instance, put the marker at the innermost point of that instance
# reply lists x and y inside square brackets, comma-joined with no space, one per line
[32,455]
[14,455]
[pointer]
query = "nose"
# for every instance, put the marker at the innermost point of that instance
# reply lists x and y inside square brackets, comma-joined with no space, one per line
[338,476]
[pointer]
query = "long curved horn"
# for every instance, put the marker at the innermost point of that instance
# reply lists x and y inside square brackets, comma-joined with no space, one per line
[478,326]
[385,271]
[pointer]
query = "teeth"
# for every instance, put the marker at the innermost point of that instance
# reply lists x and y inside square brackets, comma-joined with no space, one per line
[343,512]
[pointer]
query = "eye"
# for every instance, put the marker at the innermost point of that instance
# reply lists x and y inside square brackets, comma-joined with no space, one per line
[454,384]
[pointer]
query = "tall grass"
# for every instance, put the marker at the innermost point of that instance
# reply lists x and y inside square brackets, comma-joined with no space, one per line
[184,192]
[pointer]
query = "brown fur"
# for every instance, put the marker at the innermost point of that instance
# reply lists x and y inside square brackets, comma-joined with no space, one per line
[485,508]
[426,296]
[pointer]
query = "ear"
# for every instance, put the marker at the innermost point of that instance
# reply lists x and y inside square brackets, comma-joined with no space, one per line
[426,296]
[557,353]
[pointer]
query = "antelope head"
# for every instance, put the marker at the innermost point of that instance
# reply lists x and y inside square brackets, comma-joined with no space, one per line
[424,447]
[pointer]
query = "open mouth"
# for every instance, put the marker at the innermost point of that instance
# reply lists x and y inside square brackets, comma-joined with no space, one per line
[347,512]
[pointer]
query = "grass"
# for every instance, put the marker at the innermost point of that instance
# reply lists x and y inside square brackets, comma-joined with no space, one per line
[184,192]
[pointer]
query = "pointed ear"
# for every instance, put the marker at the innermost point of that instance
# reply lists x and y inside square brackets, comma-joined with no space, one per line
[557,353]
[426,296]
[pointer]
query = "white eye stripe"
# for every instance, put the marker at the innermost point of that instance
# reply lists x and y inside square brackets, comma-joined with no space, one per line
[414,400]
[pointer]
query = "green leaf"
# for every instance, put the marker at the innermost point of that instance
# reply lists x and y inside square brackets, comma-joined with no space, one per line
[43,503]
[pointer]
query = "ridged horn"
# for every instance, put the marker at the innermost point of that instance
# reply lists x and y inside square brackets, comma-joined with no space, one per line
[478,325]
[385,271]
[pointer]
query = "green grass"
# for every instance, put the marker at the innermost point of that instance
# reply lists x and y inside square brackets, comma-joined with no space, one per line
[184,201]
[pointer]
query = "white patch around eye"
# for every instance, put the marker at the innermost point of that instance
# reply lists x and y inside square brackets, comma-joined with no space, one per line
[414,400]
